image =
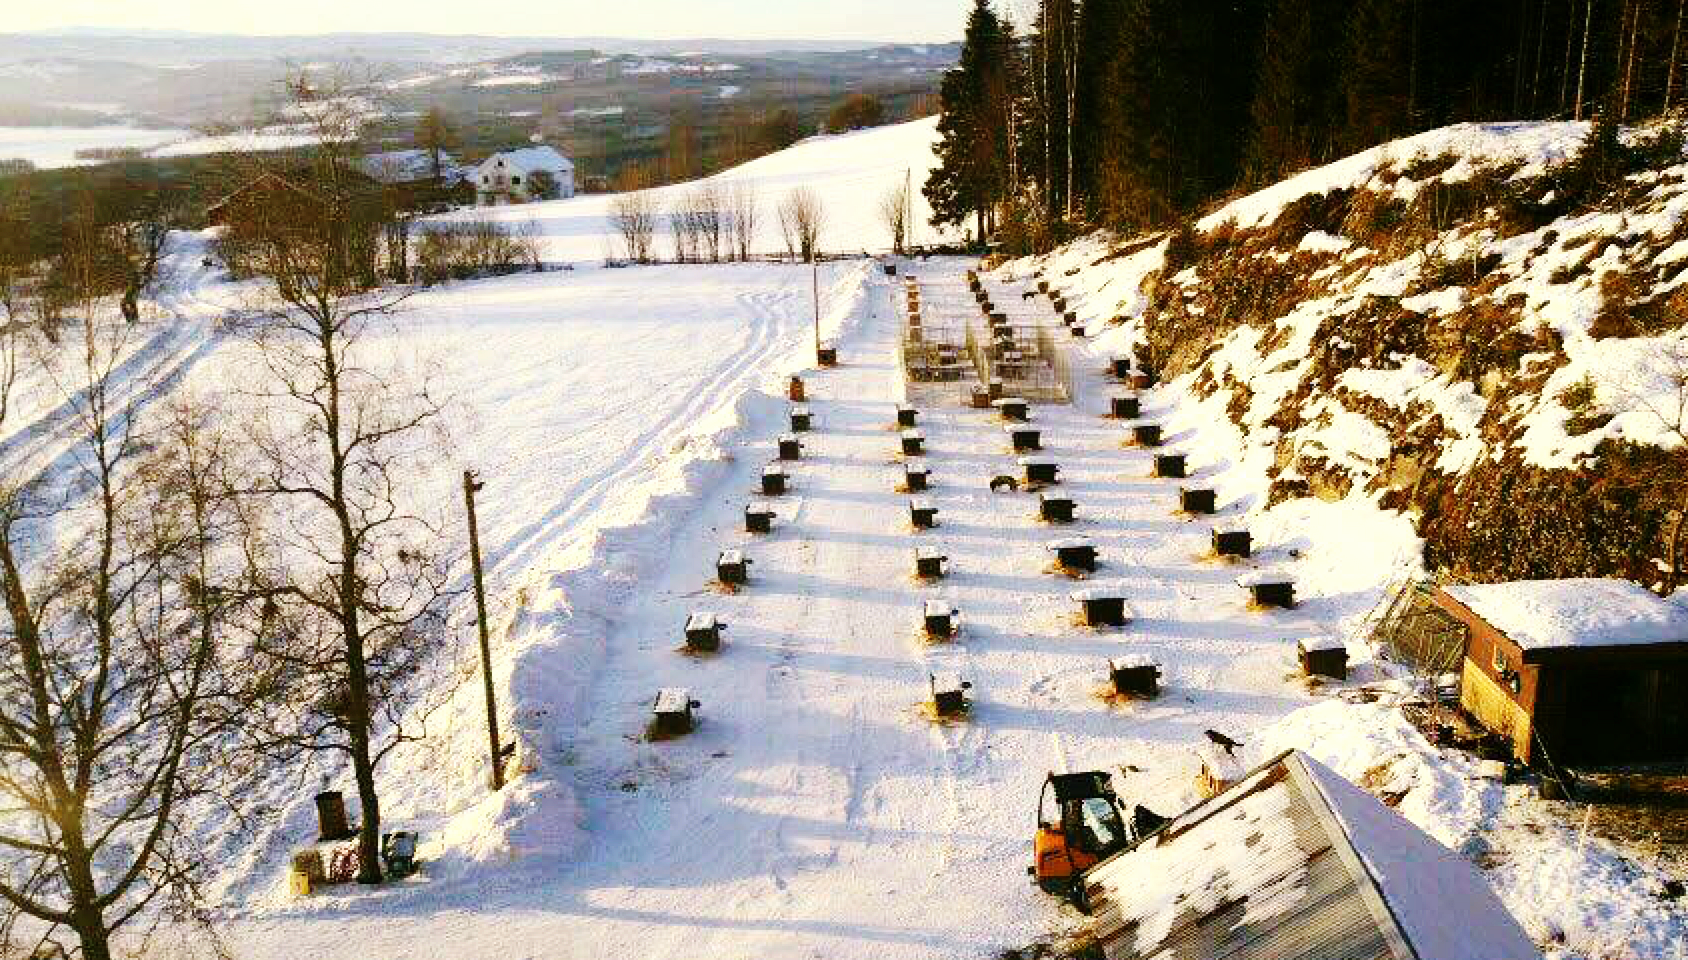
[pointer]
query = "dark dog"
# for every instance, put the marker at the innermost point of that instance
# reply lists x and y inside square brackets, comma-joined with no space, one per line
[1002,481]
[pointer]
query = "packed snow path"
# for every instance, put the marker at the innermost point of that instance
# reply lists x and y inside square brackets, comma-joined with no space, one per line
[817,811]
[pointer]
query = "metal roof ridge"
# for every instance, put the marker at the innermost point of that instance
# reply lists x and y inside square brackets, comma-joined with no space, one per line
[1371,890]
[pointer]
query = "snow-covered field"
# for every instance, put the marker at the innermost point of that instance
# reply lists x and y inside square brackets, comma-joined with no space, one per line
[50,147]
[849,172]
[620,419]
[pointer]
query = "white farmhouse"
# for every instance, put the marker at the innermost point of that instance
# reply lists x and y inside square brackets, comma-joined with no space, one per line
[519,176]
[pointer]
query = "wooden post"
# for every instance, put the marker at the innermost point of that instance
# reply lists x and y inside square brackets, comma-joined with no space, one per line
[470,487]
[815,291]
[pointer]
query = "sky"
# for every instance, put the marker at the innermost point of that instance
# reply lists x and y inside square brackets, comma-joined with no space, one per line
[888,20]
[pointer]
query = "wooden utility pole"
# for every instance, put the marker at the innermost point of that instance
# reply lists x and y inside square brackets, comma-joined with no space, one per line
[471,486]
[815,291]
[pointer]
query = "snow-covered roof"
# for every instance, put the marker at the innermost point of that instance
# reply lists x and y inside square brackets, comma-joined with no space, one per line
[404,166]
[533,160]
[1559,614]
[1295,861]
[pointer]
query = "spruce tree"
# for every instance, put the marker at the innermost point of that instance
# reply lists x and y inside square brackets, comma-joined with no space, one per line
[973,148]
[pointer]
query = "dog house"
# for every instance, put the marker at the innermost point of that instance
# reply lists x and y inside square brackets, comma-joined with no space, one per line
[993,389]
[913,443]
[1146,434]
[939,619]
[1143,380]
[922,514]
[827,354]
[930,563]
[801,420]
[1054,509]
[1119,367]
[1069,318]
[790,447]
[1231,542]
[703,632]
[1197,500]
[1043,286]
[916,476]
[795,390]
[1169,465]
[1269,588]
[672,713]
[1076,329]
[906,415]
[1074,553]
[1125,407]
[890,269]
[773,480]
[1134,675]
[980,397]
[1584,672]
[1022,437]
[949,693]
[1040,469]
[758,518]
[1323,656]
[1220,770]
[1014,409]
[732,567]
[1101,608]
[1059,301]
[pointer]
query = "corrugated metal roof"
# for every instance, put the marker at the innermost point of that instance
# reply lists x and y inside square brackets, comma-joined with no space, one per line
[1263,871]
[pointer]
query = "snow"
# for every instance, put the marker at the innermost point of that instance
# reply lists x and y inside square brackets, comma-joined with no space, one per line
[1576,895]
[1559,614]
[848,172]
[50,147]
[515,80]
[621,419]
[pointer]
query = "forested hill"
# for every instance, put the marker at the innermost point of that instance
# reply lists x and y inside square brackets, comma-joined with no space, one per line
[1129,113]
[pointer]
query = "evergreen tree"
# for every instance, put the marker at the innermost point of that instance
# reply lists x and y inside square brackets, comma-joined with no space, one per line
[1297,111]
[974,145]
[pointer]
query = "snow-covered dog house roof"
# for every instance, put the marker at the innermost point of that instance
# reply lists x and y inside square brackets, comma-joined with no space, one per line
[1295,861]
[1564,619]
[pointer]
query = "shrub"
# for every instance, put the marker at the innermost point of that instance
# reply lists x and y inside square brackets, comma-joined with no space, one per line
[461,250]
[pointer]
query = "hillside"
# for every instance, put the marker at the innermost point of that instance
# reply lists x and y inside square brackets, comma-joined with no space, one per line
[1472,327]
[621,420]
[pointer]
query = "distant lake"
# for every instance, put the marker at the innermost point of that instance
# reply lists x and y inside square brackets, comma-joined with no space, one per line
[56,146]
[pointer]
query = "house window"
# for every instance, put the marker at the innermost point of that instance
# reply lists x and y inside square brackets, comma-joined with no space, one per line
[517,180]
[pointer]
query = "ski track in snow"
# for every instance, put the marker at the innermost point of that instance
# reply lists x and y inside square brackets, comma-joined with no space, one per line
[585,495]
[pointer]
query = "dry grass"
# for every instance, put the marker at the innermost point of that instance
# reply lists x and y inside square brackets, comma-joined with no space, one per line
[928,711]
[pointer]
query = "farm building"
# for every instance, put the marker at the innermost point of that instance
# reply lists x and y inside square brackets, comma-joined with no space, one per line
[1295,861]
[522,176]
[1575,672]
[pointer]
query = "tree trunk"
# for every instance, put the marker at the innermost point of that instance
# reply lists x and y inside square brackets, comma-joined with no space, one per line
[1629,66]
[86,917]
[1582,69]
[1541,51]
[130,305]
[1675,39]
[1570,46]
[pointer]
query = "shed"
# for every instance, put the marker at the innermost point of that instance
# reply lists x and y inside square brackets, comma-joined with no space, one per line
[1590,671]
[1295,861]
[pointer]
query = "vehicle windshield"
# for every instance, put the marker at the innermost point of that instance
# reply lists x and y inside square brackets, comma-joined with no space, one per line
[1102,825]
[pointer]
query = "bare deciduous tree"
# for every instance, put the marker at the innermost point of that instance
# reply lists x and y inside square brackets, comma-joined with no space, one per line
[894,214]
[633,216]
[741,216]
[353,578]
[802,218]
[112,601]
